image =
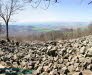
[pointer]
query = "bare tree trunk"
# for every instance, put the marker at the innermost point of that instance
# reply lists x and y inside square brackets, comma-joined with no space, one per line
[7,32]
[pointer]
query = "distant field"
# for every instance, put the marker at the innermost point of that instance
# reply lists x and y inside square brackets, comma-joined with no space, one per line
[45,29]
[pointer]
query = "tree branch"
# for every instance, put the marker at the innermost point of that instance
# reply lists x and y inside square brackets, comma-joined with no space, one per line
[90,2]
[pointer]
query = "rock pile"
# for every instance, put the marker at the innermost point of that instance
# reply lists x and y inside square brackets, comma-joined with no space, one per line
[68,57]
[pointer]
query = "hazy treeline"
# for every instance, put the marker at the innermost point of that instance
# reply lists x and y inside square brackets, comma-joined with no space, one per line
[57,35]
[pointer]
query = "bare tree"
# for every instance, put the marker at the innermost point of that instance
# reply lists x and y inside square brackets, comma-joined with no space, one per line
[7,9]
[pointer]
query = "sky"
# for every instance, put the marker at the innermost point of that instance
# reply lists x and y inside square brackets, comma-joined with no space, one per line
[64,11]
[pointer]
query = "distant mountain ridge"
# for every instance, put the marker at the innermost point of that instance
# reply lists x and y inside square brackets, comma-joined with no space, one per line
[42,23]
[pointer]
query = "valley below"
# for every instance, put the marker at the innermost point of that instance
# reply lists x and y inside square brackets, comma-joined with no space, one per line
[19,29]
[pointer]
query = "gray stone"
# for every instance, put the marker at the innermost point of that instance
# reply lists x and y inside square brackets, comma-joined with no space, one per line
[65,70]
[89,52]
[82,50]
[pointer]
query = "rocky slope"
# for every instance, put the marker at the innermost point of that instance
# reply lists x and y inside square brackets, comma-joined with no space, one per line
[68,57]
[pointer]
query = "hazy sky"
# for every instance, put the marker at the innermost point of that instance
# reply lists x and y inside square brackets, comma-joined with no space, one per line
[67,10]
